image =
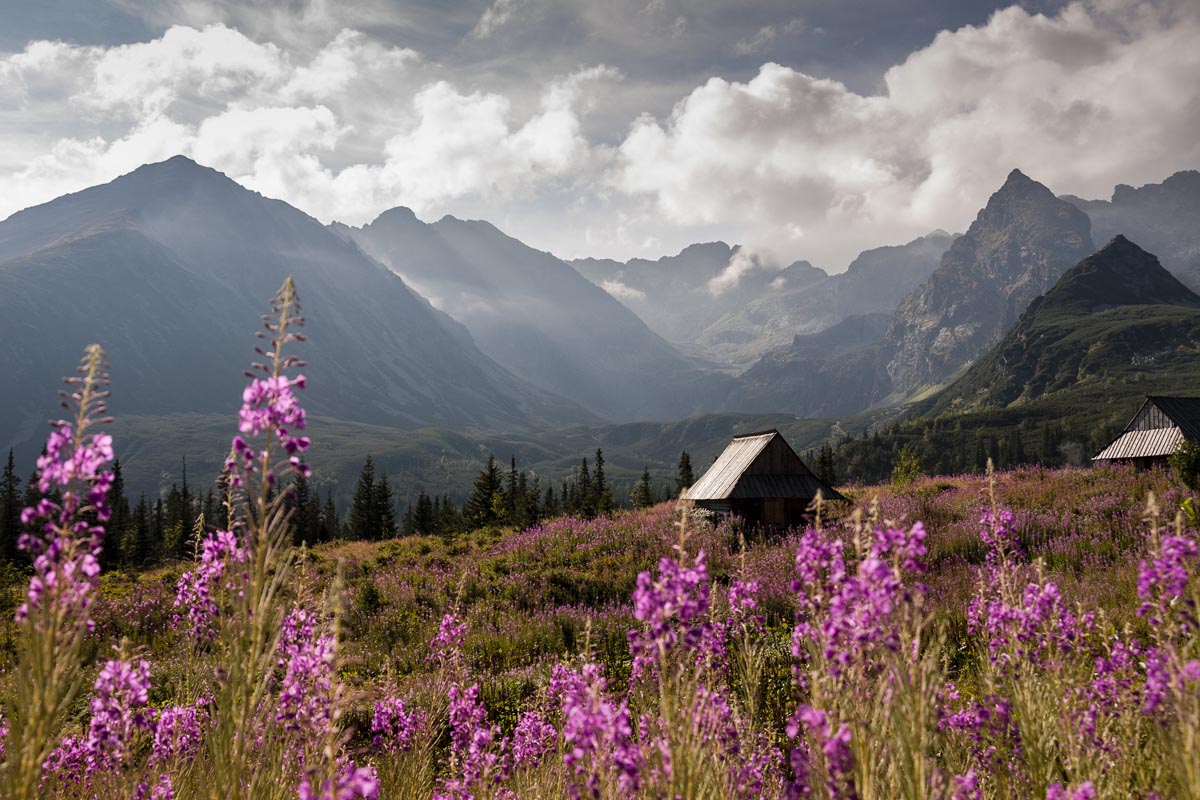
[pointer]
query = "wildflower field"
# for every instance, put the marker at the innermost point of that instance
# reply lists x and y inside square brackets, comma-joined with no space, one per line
[1031,634]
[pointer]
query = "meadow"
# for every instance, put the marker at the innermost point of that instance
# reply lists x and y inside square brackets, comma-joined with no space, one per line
[1027,634]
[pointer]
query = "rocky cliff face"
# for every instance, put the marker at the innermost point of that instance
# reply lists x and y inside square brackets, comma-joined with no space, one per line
[1162,217]
[1018,246]
[1116,318]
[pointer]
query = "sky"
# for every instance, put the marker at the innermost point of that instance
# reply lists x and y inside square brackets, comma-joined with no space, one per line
[809,129]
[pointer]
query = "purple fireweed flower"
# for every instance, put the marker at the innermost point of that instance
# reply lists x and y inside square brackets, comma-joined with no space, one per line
[118,709]
[197,589]
[308,687]
[349,783]
[1028,632]
[268,404]
[966,787]
[179,731]
[533,737]
[395,725]
[672,610]
[596,731]
[743,606]
[1167,677]
[162,790]
[999,533]
[446,647]
[1056,791]
[70,763]
[834,745]
[66,548]
[1163,579]
[850,617]
[473,757]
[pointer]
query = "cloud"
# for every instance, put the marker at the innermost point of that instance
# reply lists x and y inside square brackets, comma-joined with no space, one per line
[1098,94]
[765,35]
[496,15]
[744,261]
[621,291]
[307,100]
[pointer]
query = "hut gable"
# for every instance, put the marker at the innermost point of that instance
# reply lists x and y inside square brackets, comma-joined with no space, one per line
[759,476]
[1156,430]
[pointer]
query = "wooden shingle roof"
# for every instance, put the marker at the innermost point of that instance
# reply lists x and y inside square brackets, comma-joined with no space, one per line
[746,470]
[1156,430]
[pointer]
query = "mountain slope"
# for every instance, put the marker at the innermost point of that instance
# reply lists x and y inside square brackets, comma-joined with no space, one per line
[538,317]
[734,322]
[1015,250]
[836,371]
[1115,313]
[169,268]
[1163,217]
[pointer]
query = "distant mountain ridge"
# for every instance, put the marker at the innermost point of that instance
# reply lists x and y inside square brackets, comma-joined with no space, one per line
[735,322]
[1114,314]
[170,267]
[538,317]
[1162,217]
[1017,247]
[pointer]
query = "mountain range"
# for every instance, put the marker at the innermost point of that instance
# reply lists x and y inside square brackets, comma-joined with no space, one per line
[538,317]
[170,266]
[721,303]
[467,339]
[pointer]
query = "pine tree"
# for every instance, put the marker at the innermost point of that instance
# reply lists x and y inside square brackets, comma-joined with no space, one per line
[364,521]
[550,503]
[299,499]
[533,500]
[330,524]
[159,529]
[141,549]
[385,510]
[424,521]
[481,507]
[118,523]
[601,492]
[511,495]
[587,500]
[643,492]
[685,477]
[10,510]
[451,521]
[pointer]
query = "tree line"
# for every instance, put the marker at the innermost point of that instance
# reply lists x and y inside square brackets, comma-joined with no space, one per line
[148,532]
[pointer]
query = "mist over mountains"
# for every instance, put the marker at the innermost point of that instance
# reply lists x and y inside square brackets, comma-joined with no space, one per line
[454,326]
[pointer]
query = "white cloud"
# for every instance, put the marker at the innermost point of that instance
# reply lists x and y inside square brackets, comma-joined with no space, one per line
[496,15]
[743,261]
[1099,94]
[621,291]
[333,120]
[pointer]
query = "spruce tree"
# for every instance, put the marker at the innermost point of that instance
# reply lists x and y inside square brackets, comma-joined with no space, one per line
[643,492]
[385,510]
[583,482]
[424,521]
[451,521]
[299,500]
[10,510]
[330,524]
[550,503]
[118,523]
[159,529]
[511,495]
[685,478]
[141,544]
[363,522]
[481,507]
[602,501]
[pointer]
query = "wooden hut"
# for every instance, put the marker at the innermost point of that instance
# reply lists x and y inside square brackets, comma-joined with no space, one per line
[760,478]
[1155,431]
